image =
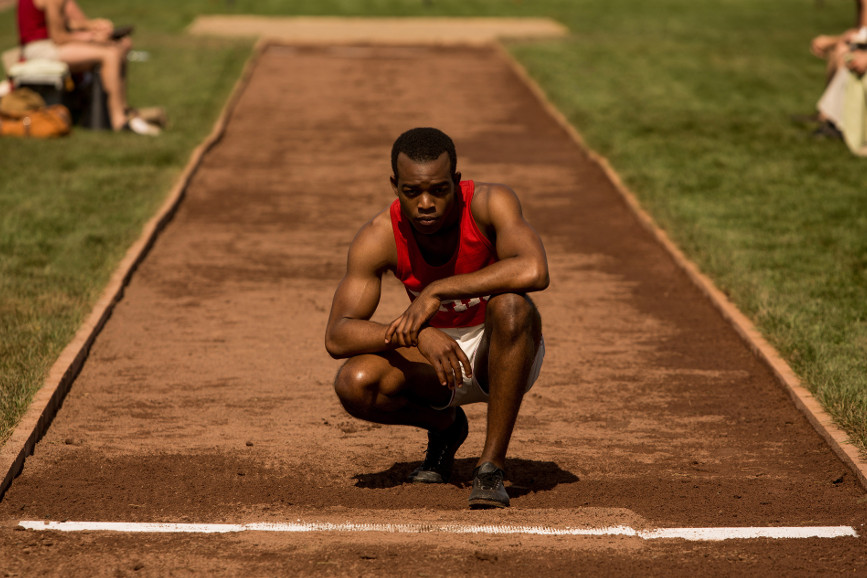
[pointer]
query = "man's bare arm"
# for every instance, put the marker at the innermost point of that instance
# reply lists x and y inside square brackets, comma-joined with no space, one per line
[350,331]
[522,265]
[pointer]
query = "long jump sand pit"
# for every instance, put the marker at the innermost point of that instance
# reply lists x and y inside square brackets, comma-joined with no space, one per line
[207,398]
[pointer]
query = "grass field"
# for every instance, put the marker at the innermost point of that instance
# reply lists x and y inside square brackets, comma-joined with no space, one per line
[689,101]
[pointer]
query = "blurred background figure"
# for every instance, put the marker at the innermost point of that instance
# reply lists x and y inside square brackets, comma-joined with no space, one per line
[841,110]
[60,30]
[834,48]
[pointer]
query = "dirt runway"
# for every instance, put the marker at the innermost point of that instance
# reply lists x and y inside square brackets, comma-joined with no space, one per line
[207,398]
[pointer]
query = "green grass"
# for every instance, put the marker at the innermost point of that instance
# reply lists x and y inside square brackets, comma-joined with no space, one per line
[689,101]
[70,208]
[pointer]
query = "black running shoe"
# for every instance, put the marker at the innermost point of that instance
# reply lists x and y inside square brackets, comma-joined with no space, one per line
[488,489]
[441,448]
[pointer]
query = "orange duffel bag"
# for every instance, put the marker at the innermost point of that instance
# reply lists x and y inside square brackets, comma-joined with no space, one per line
[46,122]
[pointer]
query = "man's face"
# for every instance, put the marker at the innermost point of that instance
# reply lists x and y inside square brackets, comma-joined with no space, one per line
[426,191]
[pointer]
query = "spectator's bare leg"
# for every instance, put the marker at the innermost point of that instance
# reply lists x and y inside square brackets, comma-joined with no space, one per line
[80,56]
[124,45]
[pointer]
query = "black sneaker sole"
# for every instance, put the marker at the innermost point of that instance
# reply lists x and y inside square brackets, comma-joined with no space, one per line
[426,477]
[486,504]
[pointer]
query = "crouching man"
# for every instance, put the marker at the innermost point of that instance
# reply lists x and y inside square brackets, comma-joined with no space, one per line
[468,259]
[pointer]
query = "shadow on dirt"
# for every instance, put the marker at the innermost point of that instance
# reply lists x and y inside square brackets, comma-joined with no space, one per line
[526,476]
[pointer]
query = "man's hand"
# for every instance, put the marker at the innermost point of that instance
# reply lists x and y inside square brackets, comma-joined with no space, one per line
[445,355]
[404,330]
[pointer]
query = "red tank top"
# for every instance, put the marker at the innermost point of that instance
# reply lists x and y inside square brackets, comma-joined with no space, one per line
[474,252]
[31,23]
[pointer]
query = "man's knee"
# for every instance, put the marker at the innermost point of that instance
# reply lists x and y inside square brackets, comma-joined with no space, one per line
[356,387]
[513,315]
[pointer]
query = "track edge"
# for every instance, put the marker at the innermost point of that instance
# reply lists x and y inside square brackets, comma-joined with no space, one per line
[803,399]
[48,399]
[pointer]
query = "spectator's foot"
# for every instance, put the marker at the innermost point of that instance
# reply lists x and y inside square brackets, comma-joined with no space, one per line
[828,130]
[155,115]
[140,126]
[441,448]
[488,489]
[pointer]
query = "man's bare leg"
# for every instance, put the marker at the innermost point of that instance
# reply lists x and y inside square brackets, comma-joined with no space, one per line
[513,335]
[396,388]
[393,389]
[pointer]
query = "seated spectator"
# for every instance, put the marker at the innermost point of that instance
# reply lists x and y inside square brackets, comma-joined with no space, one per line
[833,48]
[845,55]
[59,30]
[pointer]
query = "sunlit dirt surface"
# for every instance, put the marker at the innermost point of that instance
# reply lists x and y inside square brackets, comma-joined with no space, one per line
[208,398]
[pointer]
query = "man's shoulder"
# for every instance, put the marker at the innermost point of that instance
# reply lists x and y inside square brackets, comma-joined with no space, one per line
[487,192]
[375,240]
[378,228]
[489,196]
[381,222]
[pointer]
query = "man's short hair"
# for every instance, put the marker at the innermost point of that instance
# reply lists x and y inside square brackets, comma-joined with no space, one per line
[424,144]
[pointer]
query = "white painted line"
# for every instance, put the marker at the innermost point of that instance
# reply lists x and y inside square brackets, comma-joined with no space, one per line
[693,534]
[778,533]
[133,527]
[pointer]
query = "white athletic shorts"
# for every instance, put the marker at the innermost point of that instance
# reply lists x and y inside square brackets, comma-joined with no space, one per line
[469,338]
[40,49]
